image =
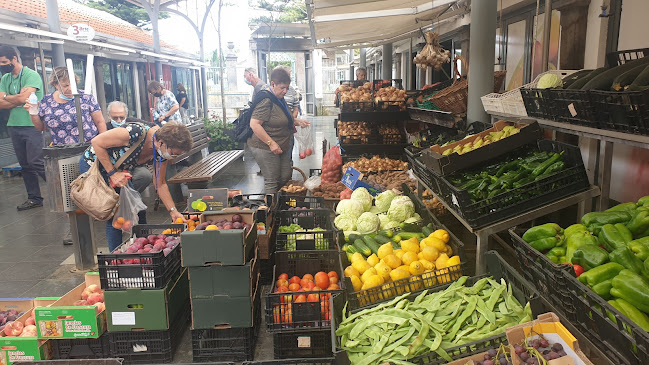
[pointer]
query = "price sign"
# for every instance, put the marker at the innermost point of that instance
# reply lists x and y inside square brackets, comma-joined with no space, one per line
[350,177]
[81,32]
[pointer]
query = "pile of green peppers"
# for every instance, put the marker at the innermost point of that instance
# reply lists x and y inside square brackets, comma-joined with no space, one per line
[612,247]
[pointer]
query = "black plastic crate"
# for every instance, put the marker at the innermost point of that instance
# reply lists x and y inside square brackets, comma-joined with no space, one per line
[624,111]
[425,175]
[572,107]
[538,103]
[309,239]
[266,271]
[497,268]
[282,313]
[286,202]
[621,57]
[391,106]
[303,344]
[319,361]
[571,180]
[146,270]
[378,84]
[356,106]
[619,338]
[80,348]
[149,347]
[545,275]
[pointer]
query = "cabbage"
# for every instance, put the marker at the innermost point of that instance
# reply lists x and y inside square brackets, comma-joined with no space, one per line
[375,210]
[353,208]
[345,222]
[401,208]
[383,200]
[383,219]
[414,219]
[549,81]
[390,225]
[367,223]
[364,197]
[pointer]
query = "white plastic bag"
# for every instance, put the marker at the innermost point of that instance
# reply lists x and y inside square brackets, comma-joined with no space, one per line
[312,182]
[130,203]
[305,141]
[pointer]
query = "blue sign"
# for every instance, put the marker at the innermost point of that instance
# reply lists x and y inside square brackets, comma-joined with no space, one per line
[350,177]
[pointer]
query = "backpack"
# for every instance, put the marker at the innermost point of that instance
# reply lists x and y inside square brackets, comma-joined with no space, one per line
[242,130]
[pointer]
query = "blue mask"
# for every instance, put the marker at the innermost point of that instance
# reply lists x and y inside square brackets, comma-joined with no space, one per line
[64,97]
[116,124]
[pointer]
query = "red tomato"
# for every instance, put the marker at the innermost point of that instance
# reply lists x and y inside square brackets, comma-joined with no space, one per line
[333,287]
[332,274]
[308,277]
[578,270]
[305,283]
[300,298]
[294,287]
[281,282]
[322,280]
[311,285]
[312,298]
[294,279]
[333,280]
[283,276]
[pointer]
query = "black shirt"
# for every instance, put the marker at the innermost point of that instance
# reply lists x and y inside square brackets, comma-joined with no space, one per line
[180,96]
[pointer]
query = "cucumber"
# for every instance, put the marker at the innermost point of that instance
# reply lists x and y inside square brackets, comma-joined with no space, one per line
[349,256]
[362,248]
[345,247]
[353,237]
[604,80]
[427,231]
[568,80]
[351,249]
[387,233]
[396,239]
[395,246]
[641,82]
[381,239]
[372,244]
[583,80]
[409,227]
[409,235]
[623,81]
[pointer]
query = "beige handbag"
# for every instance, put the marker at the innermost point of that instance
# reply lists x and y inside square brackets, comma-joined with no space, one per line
[91,194]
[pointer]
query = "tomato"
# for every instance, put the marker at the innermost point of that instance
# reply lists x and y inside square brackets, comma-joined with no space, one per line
[322,280]
[333,280]
[578,270]
[294,280]
[281,282]
[300,298]
[311,285]
[282,289]
[333,287]
[304,283]
[277,314]
[312,298]
[294,287]
[308,277]
[283,276]
[332,274]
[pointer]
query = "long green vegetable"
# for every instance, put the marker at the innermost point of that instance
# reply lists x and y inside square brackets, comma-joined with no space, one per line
[432,322]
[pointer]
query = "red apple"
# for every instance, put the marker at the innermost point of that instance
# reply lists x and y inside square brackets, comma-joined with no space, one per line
[80,303]
[95,298]
[93,288]
[302,155]
[308,152]
[100,307]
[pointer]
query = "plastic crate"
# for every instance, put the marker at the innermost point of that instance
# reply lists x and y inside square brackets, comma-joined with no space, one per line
[303,344]
[537,103]
[572,107]
[621,57]
[80,348]
[151,271]
[391,106]
[571,180]
[412,152]
[149,347]
[545,275]
[497,268]
[319,361]
[624,111]
[266,271]
[356,106]
[285,202]
[619,338]
[425,175]
[282,313]
[308,239]
[378,84]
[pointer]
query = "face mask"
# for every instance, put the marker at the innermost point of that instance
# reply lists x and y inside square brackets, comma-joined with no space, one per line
[64,97]
[7,68]
[248,82]
[157,95]
[116,124]
[166,155]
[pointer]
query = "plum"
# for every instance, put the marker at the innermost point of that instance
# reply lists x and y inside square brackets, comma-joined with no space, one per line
[237,225]
[237,218]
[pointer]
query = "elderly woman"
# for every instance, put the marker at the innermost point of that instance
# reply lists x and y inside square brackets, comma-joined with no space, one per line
[165,105]
[159,145]
[58,113]
[273,126]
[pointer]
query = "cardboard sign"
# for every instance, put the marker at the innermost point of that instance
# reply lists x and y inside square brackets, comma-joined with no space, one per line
[81,32]
[351,177]
[207,200]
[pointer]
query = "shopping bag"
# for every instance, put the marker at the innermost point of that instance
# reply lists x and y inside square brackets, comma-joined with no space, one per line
[332,164]
[304,141]
[130,203]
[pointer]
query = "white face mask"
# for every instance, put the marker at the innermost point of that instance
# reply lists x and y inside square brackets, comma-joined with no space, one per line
[116,124]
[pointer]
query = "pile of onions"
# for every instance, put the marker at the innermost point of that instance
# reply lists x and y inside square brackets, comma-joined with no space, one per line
[433,54]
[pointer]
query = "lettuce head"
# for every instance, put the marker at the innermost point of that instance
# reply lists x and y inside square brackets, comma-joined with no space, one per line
[367,223]
[383,200]
[401,208]
[351,207]
[345,222]
[364,197]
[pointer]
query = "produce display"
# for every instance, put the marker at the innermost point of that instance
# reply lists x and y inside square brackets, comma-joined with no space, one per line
[390,134]
[480,141]
[535,351]
[7,316]
[92,295]
[389,180]
[348,132]
[236,222]
[331,166]
[434,205]
[610,254]
[355,94]
[402,329]
[303,290]
[432,54]
[630,76]
[507,174]
[495,356]
[293,189]
[321,243]
[390,96]
[150,244]
[376,164]
[329,190]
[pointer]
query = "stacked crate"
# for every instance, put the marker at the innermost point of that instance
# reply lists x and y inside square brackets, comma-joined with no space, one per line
[225,296]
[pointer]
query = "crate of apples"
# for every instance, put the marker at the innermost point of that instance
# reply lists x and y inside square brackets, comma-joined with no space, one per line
[92,295]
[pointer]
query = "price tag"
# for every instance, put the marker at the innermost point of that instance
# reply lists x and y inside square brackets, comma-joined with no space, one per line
[350,177]
[571,109]
[123,318]
[304,342]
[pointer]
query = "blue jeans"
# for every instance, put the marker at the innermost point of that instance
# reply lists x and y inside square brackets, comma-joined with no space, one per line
[28,144]
[113,235]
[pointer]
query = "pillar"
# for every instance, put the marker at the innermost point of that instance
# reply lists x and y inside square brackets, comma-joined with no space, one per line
[99,81]
[482,48]
[231,67]
[387,62]
[363,58]
[58,57]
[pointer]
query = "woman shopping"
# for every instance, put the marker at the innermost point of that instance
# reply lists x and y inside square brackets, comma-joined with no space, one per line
[166,106]
[159,145]
[273,127]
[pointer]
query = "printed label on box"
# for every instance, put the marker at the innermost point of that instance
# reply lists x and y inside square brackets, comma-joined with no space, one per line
[123,318]
[350,177]
[207,200]
[304,342]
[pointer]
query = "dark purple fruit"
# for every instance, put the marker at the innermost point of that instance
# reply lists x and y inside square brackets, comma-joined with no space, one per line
[488,362]
[518,349]
[502,361]
[557,347]
[493,353]
[544,343]
[561,353]
[545,352]
[553,355]
[487,357]
[536,343]
[524,356]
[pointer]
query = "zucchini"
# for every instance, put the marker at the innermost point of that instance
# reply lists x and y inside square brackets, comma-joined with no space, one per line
[604,80]
[381,239]
[641,82]
[409,235]
[623,81]
[583,80]
[345,247]
[362,248]
[372,244]
[568,80]
[351,249]
[410,227]
[387,233]
[353,237]
[427,231]
[349,256]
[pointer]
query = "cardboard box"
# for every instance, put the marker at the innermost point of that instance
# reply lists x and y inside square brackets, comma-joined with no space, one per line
[224,311]
[234,281]
[550,327]
[146,310]
[24,348]
[221,246]
[64,320]
[445,165]
[263,242]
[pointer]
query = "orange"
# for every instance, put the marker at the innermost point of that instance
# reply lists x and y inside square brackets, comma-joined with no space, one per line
[179,220]
[117,224]
[120,220]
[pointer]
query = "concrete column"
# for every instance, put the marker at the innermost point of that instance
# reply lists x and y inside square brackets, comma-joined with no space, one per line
[363,58]
[387,62]
[231,67]
[204,84]
[53,22]
[397,63]
[482,48]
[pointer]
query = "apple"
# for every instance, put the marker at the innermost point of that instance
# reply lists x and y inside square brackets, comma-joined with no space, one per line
[308,152]
[302,155]
[100,307]
[14,329]
[29,331]
[30,321]
[95,298]
[80,303]
[94,288]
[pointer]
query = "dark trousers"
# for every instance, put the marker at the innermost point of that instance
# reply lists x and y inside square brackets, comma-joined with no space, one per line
[28,144]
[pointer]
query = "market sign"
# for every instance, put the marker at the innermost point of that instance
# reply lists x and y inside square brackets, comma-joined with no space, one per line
[81,32]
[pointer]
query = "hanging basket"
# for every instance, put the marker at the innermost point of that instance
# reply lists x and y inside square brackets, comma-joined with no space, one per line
[454,98]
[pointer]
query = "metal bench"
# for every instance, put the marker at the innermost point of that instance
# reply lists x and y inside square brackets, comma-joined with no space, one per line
[201,173]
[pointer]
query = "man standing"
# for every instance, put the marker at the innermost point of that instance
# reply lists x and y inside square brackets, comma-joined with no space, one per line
[16,85]
[250,76]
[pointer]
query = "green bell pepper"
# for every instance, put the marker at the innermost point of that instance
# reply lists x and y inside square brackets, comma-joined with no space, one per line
[640,248]
[632,313]
[644,201]
[626,234]
[577,240]
[611,238]
[603,218]
[622,207]
[625,257]
[639,222]
[556,254]
[543,231]
[545,244]
[633,288]
[646,266]
[601,273]
[575,228]
[589,256]
[603,289]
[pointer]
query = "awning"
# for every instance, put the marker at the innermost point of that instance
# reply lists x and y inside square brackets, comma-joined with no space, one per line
[345,23]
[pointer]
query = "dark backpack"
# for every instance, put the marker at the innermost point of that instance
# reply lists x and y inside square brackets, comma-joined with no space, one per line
[242,130]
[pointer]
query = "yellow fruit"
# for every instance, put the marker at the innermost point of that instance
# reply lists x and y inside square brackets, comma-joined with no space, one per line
[350,271]
[437,244]
[449,250]
[429,253]
[442,235]
[409,257]
[398,274]
[392,261]
[367,274]
[373,260]
[356,282]
[385,250]
[440,263]
[428,265]
[384,270]
[410,246]
[373,281]
[416,268]
[399,253]
[405,268]
[357,256]
[455,260]
[416,283]
[361,266]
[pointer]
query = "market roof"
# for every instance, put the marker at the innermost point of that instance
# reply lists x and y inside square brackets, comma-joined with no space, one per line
[338,23]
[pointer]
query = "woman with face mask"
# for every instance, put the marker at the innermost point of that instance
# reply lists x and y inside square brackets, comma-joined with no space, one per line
[165,104]
[57,112]
[159,145]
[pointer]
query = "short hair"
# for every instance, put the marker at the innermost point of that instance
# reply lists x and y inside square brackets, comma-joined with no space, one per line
[180,87]
[8,52]
[251,70]
[153,85]
[176,135]
[280,75]
[361,69]
[61,73]
[115,103]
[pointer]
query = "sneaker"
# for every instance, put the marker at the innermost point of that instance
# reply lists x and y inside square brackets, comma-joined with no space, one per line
[29,204]
[67,239]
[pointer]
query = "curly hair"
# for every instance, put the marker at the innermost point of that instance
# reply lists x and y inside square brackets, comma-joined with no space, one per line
[59,74]
[176,135]
[280,75]
[153,86]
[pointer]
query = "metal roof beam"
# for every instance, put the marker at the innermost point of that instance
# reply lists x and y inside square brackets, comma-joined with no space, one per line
[382,13]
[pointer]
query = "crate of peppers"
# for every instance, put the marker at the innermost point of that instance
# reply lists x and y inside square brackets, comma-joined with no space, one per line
[606,291]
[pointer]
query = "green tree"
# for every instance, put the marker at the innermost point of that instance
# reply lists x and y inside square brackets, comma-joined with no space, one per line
[280,11]
[123,10]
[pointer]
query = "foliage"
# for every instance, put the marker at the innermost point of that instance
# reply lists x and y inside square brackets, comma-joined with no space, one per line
[280,11]
[123,10]
[220,134]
